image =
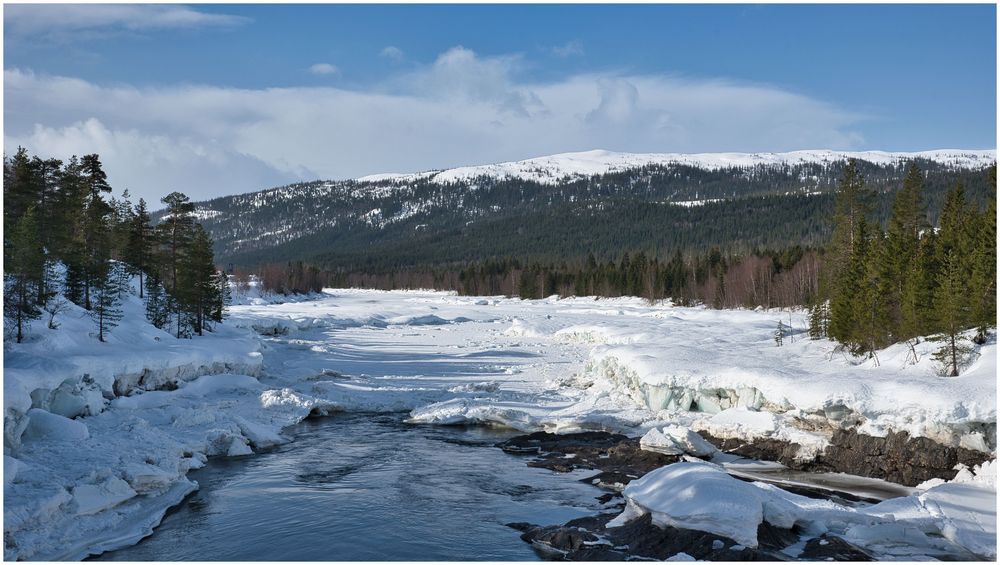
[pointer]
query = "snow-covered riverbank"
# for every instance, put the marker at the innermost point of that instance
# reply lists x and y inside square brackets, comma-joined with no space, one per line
[92,460]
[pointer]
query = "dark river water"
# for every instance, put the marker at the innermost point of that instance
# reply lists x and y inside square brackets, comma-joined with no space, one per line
[367,487]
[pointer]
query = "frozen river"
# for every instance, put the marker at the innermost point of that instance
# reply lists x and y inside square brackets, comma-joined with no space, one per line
[367,487]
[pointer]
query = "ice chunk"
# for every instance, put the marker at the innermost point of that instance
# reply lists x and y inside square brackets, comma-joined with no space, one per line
[91,499]
[11,467]
[46,425]
[145,478]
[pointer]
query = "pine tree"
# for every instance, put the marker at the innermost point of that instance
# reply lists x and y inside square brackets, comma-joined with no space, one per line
[107,310]
[23,273]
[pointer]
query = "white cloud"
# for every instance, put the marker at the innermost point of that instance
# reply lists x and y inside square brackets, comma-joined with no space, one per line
[62,21]
[392,52]
[462,109]
[323,69]
[569,49]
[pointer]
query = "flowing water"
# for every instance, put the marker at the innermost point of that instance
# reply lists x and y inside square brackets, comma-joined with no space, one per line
[367,487]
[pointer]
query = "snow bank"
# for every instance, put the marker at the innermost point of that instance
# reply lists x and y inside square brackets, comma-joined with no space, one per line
[67,371]
[702,496]
[701,370]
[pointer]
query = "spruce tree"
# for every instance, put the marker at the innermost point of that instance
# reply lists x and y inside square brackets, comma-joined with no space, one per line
[107,310]
[908,221]
[983,278]
[952,312]
[139,243]
[197,290]
[223,296]
[157,302]
[174,234]
[844,273]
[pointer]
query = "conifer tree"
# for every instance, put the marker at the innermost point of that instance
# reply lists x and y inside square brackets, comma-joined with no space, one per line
[174,233]
[223,296]
[20,188]
[157,302]
[139,243]
[908,221]
[107,310]
[952,313]
[197,290]
[23,273]
[844,271]
[871,303]
[983,278]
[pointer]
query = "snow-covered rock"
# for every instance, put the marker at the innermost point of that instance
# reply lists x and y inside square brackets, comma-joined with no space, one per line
[702,496]
[676,440]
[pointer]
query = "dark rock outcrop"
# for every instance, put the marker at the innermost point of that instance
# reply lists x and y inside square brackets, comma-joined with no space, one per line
[896,458]
[588,539]
[618,458]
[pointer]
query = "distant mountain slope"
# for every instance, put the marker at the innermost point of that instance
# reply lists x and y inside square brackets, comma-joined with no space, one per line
[558,168]
[567,205]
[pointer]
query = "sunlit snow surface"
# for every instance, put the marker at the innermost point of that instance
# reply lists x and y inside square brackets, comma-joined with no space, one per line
[555,168]
[102,481]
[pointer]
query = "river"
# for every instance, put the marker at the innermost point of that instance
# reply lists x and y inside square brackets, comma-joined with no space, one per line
[367,487]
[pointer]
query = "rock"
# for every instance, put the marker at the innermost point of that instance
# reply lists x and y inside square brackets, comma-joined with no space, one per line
[828,547]
[587,539]
[896,458]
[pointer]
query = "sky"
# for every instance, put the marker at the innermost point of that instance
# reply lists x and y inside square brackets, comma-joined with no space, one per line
[223,99]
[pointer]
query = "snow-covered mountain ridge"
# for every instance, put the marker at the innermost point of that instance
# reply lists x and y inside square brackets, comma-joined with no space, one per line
[555,168]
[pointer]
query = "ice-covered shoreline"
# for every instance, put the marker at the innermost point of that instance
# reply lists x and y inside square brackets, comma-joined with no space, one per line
[100,459]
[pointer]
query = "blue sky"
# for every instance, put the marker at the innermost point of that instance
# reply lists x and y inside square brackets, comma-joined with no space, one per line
[230,98]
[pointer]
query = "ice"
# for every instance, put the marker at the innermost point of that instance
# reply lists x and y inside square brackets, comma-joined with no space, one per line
[92,498]
[44,425]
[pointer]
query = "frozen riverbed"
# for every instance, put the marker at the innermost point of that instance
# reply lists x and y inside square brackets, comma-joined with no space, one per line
[93,458]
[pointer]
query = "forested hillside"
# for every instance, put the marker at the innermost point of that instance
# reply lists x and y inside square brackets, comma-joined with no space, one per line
[386,224]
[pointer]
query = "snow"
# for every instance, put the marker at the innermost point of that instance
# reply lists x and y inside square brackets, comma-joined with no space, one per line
[556,168]
[45,426]
[702,496]
[676,440]
[99,437]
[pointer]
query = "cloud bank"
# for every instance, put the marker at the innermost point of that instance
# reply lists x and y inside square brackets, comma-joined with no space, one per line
[47,22]
[462,109]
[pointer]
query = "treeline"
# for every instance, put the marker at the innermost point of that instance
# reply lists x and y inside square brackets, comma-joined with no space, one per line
[61,237]
[762,278]
[883,286]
